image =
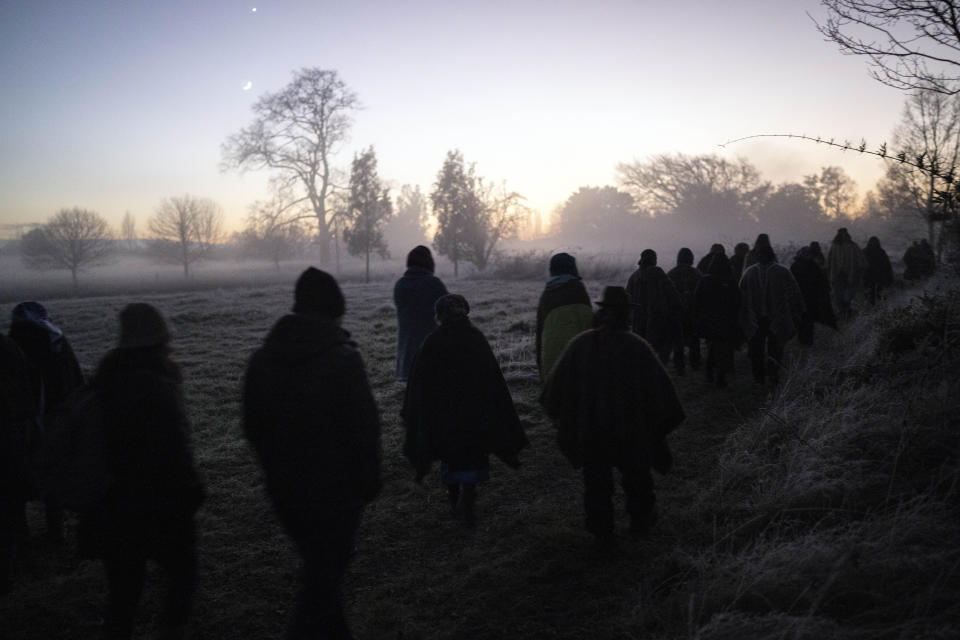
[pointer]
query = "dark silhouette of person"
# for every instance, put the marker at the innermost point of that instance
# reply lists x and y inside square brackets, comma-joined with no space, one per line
[816,254]
[879,272]
[685,279]
[761,243]
[658,312]
[716,310]
[613,405]
[815,288]
[20,432]
[740,252]
[310,415]
[148,513]
[845,267]
[928,263]
[770,312]
[704,265]
[458,409]
[413,295]
[49,352]
[564,311]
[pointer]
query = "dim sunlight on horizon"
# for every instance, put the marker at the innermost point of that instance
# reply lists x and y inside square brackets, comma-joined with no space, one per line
[113,107]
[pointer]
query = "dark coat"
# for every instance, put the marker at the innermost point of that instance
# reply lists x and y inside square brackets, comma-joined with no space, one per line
[658,311]
[53,359]
[815,289]
[770,291]
[19,420]
[310,415]
[879,272]
[148,453]
[716,308]
[564,311]
[414,295]
[610,392]
[457,403]
[685,279]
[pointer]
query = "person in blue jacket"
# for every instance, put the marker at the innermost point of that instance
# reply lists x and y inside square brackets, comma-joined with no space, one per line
[414,295]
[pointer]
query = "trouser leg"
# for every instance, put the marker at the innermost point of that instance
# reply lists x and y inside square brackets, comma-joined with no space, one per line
[125,571]
[598,496]
[757,356]
[177,555]
[638,488]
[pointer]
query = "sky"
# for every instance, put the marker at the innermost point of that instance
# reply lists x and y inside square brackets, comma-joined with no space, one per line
[115,105]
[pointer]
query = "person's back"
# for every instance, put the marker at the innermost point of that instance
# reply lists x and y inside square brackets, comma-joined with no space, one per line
[658,310]
[563,311]
[47,349]
[414,295]
[879,272]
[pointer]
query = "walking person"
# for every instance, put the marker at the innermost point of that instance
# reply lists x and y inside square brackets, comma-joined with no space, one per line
[148,513]
[879,272]
[563,311]
[458,409]
[845,267]
[310,415]
[613,405]
[685,279]
[657,312]
[716,308]
[413,295]
[815,288]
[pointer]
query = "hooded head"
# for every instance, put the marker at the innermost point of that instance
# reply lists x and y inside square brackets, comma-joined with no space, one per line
[763,240]
[873,243]
[33,316]
[741,249]
[614,313]
[765,255]
[142,325]
[420,256]
[719,265]
[842,237]
[563,264]
[685,256]
[648,258]
[451,307]
[317,293]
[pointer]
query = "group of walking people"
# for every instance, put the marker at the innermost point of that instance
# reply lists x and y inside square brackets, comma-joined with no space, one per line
[310,415]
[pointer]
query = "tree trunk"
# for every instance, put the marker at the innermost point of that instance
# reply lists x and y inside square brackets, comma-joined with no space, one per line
[367,280]
[76,283]
[456,270]
[323,240]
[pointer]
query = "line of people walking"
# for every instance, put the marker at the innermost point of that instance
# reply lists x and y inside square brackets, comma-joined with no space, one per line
[310,415]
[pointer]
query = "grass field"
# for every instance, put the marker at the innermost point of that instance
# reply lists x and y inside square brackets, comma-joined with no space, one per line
[792,515]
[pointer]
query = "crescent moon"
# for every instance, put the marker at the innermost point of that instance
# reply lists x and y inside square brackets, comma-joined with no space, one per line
[248,86]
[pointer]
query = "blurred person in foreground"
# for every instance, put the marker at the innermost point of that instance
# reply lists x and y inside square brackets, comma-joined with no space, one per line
[310,415]
[458,409]
[57,374]
[613,405]
[564,311]
[771,309]
[414,295]
[148,512]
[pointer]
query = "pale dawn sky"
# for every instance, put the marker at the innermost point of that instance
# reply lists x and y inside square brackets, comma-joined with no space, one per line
[115,105]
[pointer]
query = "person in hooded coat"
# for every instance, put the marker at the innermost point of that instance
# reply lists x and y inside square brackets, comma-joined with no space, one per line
[716,308]
[49,353]
[928,259]
[458,409]
[761,243]
[845,267]
[685,279]
[148,512]
[19,435]
[563,311]
[770,312]
[704,265]
[613,405]
[815,288]
[879,272]
[816,254]
[658,313]
[413,295]
[310,415]
[740,251]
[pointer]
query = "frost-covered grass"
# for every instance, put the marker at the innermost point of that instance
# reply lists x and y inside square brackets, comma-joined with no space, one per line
[827,510]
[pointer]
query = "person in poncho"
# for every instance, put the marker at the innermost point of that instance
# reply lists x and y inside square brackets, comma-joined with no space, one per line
[845,267]
[879,273]
[457,408]
[414,295]
[685,279]
[716,308]
[563,311]
[771,309]
[815,288]
[613,405]
[658,312]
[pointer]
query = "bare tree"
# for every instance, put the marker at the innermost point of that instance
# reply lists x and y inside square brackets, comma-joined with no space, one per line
[72,239]
[909,44]
[500,218]
[275,229]
[835,190]
[369,207]
[186,229]
[296,132]
[128,232]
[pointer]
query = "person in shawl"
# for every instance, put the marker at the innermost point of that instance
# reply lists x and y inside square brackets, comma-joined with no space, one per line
[149,510]
[685,278]
[815,288]
[845,267]
[458,409]
[658,314]
[716,308]
[613,405]
[704,265]
[761,243]
[771,309]
[310,415]
[879,273]
[414,295]
[563,311]
[50,355]
[740,251]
